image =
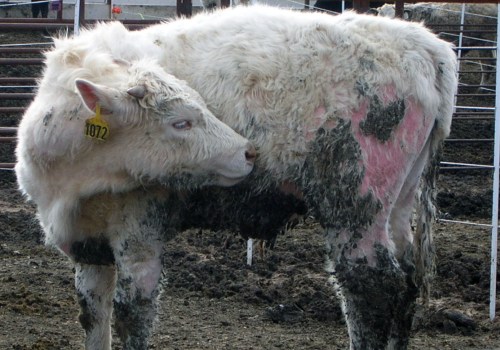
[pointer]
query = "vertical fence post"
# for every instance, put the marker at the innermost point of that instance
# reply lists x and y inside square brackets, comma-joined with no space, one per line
[249,251]
[494,215]
[460,43]
[76,23]
[461,34]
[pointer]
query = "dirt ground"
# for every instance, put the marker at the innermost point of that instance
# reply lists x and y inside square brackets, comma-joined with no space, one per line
[212,300]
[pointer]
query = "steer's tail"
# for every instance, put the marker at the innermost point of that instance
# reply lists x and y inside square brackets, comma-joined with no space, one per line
[446,86]
[425,216]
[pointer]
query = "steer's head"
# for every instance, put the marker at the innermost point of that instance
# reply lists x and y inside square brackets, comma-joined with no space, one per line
[160,128]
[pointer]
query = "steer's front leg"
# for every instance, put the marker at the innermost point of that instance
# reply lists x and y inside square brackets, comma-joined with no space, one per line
[95,286]
[135,304]
[95,278]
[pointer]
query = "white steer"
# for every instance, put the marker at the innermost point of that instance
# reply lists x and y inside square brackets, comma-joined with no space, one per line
[98,133]
[347,112]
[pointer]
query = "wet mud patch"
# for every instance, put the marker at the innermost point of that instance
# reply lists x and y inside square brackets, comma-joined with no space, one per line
[382,120]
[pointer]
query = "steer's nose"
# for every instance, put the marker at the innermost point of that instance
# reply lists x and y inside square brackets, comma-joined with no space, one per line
[250,153]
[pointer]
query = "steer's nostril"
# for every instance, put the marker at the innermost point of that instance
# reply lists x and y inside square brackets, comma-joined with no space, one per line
[250,153]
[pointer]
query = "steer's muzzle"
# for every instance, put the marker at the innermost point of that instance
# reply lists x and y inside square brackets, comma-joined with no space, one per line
[235,167]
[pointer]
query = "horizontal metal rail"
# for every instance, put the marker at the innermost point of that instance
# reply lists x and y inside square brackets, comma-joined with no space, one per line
[475,48]
[34,26]
[465,37]
[469,165]
[472,113]
[17,80]
[21,61]
[7,166]
[464,223]
[473,31]
[468,140]
[476,108]
[476,71]
[480,64]
[16,96]
[17,87]
[22,50]
[12,109]
[475,95]
[8,130]
[35,20]
[476,86]
[465,25]
[478,58]
[475,118]
[14,45]
[462,168]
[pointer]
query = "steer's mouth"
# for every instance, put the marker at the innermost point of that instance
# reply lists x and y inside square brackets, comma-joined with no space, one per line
[225,181]
[233,169]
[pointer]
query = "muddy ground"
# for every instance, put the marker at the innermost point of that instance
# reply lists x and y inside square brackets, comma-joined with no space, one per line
[212,300]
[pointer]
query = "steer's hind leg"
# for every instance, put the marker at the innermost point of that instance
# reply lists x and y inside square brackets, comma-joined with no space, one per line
[400,222]
[370,283]
[415,253]
[375,274]
[139,269]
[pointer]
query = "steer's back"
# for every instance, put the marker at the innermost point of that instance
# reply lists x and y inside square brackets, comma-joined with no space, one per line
[279,76]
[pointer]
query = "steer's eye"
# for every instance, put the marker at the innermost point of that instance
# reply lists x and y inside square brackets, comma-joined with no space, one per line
[182,125]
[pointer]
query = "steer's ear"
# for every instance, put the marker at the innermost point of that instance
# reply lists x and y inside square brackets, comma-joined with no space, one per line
[91,94]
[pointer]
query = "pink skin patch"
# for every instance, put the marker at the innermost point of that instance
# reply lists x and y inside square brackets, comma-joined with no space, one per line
[319,113]
[387,164]
[147,276]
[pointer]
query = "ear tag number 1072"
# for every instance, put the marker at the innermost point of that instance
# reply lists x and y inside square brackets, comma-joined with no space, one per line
[96,127]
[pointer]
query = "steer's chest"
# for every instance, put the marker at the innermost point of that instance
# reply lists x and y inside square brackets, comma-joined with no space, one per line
[114,215]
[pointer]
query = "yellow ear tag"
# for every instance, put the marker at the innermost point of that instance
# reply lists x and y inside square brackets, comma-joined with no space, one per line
[97,128]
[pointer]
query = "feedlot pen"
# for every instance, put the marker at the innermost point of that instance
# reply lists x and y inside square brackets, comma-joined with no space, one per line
[471,154]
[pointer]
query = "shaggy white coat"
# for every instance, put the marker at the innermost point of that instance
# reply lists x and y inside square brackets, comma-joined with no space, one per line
[283,79]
